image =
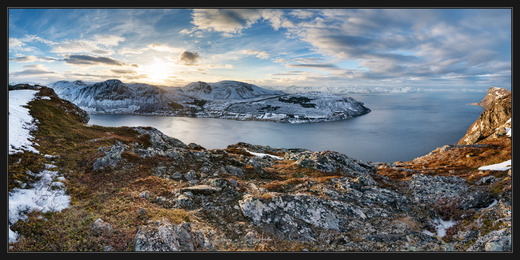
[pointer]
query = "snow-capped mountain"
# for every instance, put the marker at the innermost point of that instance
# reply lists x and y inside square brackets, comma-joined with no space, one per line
[224,99]
[226,90]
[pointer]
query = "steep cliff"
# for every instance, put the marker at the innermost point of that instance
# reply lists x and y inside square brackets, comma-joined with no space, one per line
[497,115]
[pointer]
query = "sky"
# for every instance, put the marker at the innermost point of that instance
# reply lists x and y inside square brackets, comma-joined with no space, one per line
[266,47]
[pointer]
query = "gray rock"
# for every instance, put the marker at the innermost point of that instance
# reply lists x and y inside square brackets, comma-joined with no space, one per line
[160,141]
[200,189]
[486,180]
[234,170]
[112,156]
[329,161]
[191,175]
[497,240]
[101,226]
[430,189]
[164,236]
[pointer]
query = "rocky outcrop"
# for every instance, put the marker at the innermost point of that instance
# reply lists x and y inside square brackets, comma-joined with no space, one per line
[496,115]
[111,156]
[164,236]
[330,161]
[492,95]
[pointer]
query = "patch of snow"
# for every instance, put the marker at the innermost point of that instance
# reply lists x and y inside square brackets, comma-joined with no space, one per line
[508,121]
[503,166]
[492,204]
[45,195]
[508,131]
[441,226]
[264,155]
[20,121]
[428,233]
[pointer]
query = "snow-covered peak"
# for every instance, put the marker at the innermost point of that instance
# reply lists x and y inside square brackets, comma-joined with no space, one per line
[226,90]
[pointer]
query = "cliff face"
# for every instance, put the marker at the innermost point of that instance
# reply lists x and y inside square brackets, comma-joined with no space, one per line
[492,95]
[136,189]
[496,115]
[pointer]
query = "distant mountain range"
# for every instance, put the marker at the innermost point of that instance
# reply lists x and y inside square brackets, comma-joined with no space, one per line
[224,99]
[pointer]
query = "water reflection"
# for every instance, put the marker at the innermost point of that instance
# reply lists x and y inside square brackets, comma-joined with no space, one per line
[400,127]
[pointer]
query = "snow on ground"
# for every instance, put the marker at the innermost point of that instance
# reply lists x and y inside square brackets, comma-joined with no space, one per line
[264,155]
[440,227]
[46,194]
[492,204]
[20,121]
[503,166]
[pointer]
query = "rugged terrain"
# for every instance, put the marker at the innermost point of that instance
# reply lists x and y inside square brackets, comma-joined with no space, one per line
[224,99]
[136,189]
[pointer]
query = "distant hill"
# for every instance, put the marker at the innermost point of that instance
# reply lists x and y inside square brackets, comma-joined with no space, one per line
[225,99]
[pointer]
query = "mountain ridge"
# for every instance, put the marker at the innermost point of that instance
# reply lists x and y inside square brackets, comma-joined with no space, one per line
[224,99]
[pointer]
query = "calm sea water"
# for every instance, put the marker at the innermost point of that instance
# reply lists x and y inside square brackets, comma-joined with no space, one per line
[399,128]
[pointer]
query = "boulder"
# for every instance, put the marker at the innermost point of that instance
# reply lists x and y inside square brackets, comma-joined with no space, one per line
[112,156]
[497,240]
[330,161]
[164,236]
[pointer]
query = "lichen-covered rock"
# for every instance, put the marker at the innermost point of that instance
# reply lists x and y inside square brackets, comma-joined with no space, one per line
[164,236]
[329,161]
[429,190]
[160,141]
[497,240]
[112,156]
[340,205]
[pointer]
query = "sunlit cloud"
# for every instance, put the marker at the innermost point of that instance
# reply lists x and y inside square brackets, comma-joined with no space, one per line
[270,46]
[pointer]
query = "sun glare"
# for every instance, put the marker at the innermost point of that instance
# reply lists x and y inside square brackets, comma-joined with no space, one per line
[158,71]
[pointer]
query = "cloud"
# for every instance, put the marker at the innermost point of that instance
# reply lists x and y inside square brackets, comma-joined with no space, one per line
[31,58]
[101,44]
[31,70]
[117,71]
[314,65]
[259,54]
[189,57]
[92,60]
[233,21]
[302,14]
[17,45]
[164,48]
[395,43]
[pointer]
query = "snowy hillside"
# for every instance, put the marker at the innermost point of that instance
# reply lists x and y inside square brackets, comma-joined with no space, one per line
[224,99]
[226,90]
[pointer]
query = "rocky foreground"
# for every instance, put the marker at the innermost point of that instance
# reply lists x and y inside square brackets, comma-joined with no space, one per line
[136,189]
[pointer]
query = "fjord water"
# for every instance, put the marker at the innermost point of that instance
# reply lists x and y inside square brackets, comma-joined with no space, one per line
[400,127]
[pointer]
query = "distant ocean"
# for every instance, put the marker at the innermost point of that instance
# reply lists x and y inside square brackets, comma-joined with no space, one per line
[401,127]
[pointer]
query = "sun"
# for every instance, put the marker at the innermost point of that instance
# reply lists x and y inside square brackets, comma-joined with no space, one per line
[159,71]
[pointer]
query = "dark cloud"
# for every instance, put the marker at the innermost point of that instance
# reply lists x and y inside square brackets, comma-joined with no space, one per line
[124,71]
[33,58]
[33,70]
[92,60]
[189,57]
[314,65]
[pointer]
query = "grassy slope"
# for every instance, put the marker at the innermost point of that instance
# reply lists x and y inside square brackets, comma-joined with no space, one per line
[110,195]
